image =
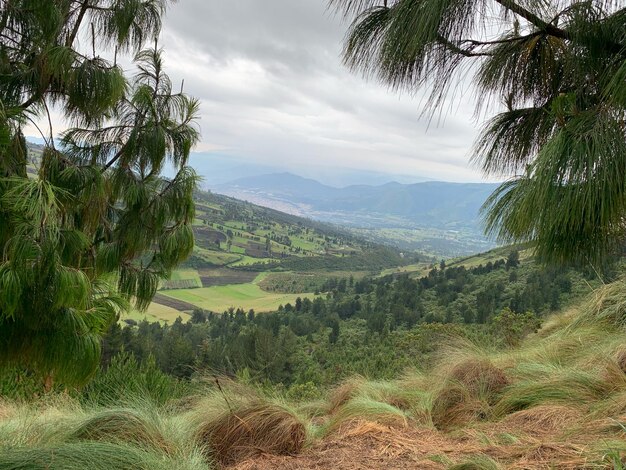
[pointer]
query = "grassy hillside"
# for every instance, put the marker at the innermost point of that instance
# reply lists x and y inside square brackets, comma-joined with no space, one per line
[234,233]
[557,400]
[434,217]
[238,245]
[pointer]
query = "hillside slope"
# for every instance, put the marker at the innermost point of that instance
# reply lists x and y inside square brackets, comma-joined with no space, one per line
[237,244]
[556,401]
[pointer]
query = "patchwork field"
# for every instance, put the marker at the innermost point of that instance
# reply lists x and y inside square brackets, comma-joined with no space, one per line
[245,296]
[156,313]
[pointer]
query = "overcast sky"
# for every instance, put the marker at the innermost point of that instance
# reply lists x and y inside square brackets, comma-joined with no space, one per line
[273,90]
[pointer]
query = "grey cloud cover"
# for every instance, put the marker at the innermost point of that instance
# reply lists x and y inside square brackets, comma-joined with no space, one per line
[274,91]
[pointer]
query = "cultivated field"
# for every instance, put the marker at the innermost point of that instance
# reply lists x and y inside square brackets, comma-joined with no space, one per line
[245,296]
[156,313]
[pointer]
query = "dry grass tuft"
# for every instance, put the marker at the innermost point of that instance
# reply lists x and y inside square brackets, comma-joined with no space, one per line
[346,391]
[360,408]
[125,426]
[454,406]
[6,410]
[468,391]
[607,305]
[620,358]
[480,377]
[543,419]
[255,429]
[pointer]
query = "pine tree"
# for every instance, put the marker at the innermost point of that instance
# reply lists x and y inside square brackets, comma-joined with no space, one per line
[556,72]
[98,225]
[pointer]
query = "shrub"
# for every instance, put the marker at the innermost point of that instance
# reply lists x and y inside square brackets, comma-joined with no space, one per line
[127,380]
[513,327]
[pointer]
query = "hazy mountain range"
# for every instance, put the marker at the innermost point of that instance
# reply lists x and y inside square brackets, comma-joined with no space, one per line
[433,216]
[440,218]
[427,204]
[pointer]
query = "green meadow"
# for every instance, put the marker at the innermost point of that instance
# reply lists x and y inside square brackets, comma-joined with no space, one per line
[245,296]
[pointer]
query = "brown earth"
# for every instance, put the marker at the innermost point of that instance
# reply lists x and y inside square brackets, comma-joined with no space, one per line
[225,276]
[363,445]
[176,304]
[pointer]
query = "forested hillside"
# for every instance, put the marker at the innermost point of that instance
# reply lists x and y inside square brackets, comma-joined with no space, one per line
[373,326]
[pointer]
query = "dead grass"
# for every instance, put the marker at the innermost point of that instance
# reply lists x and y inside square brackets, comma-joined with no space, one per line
[344,393]
[260,428]
[360,445]
[6,410]
[620,358]
[555,456]
[480,377]
[361,408]
[543,420]
[454,406]
[468,391]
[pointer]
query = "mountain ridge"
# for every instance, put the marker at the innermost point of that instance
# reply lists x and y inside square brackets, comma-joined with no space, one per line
[431,203]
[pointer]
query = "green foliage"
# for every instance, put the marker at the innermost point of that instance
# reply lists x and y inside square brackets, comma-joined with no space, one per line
[514,327]
[94,455]
[125,380]
[375,327]
[19,384]
[98,226]
[563,86]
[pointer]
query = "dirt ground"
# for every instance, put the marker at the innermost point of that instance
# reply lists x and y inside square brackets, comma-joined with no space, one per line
[364,445]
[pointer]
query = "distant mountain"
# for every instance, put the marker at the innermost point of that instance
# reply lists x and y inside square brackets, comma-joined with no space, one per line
[218,169]
[283,186]
[434,216]
[428,204]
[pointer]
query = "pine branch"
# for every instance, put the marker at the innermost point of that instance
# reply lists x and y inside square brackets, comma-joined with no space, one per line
[83,10]
[534,19]
[459,50]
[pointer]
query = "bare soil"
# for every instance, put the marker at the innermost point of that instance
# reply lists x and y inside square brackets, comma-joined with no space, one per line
[363,445]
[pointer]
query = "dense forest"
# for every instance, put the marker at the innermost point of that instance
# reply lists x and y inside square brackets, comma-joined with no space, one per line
[375,327]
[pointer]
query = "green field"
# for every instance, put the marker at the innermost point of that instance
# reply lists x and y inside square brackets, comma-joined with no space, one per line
[420,268]
[183,279]
[245,296]
[156,313]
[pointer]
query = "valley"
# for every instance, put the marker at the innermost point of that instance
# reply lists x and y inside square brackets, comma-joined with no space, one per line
[304,235]
[256,258]
[437,218]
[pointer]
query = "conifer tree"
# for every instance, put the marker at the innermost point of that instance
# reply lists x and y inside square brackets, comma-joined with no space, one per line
[97,225]
[556,72]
